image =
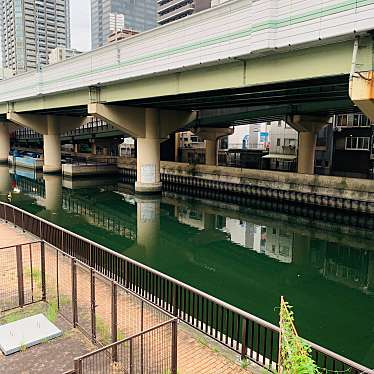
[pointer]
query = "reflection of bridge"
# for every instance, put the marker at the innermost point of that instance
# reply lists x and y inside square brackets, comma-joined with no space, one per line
[77,205]
[268,57]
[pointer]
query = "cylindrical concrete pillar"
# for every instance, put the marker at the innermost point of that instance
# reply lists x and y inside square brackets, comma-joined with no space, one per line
[211,152]
[148,156]
[53,192]
[4,143]
[307,148]
[52,154]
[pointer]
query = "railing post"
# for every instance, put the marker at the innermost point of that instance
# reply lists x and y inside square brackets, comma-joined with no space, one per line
[74,291]
[42,268]
[175,300]
[244,338]
[93,305]
[21,290]
[142,338]
[77,366]
[174,347]
[114,321]
[23,221]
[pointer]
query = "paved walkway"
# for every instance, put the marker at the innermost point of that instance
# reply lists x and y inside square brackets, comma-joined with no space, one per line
[196,353]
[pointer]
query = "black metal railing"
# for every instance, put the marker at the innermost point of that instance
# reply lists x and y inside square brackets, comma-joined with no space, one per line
[246,334]
[153,350]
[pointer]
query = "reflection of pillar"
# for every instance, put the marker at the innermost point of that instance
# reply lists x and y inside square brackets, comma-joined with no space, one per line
[76,147]
[301,250]
[93,149]
[148,155]
[4,180]
[211,137]
[53,192]
[308,127]
[52,153]
[148,222]
[209,221]
[4,142]
[371,272]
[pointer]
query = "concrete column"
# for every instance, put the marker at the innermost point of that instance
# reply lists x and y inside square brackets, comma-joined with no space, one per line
[308,127]
[148,155]
[211,152]
[148,223]
[4,143]
[53,192]
[211,137]
[52,154]
[307,152]
[76,148]
[93,148]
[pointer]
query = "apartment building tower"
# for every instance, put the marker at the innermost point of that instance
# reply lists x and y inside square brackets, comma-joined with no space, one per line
[172,10]
[112,16]
[30,29]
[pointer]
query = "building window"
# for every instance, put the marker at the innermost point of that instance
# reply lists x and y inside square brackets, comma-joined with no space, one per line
[357,143]
[278,142]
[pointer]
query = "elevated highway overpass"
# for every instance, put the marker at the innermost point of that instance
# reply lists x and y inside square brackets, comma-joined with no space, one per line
[275,57]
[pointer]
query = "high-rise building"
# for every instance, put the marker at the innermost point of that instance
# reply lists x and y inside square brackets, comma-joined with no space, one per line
[60,54]
[172,10]
[30,29]
[111,16]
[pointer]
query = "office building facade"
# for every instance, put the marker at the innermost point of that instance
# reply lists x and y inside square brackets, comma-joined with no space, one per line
[112,16]
[30,29]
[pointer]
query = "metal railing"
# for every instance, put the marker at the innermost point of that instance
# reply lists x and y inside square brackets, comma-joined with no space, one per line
[246,334]
[153,350]
[18,286]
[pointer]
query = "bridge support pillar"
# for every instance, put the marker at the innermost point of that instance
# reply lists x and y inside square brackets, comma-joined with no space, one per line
[52,154]
[51,127]
[361,91]
[211,137]
[308,128]
[4,143]
[150,126]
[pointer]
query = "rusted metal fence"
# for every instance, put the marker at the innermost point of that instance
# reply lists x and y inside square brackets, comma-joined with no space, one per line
[246,334]
[151,351]
[21,282]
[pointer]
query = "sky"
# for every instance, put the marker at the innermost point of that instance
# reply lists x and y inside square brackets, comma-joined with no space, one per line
[80,24]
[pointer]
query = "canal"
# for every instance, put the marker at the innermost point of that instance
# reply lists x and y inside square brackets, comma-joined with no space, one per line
[243,253]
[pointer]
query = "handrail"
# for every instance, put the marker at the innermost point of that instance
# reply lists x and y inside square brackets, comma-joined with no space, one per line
[21,244]
[245,315]
[105,348]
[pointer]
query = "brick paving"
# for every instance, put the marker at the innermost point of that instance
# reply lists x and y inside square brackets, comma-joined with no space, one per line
[196,353]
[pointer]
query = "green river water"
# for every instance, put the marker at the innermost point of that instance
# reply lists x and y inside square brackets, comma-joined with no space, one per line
[244,254]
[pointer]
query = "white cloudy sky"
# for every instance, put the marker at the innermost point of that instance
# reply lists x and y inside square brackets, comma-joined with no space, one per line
[80,24]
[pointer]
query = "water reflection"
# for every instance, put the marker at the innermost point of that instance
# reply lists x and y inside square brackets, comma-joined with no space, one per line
[243,254]
[5,187]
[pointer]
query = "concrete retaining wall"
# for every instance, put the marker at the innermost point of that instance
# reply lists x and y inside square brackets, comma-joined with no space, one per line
[336,192]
